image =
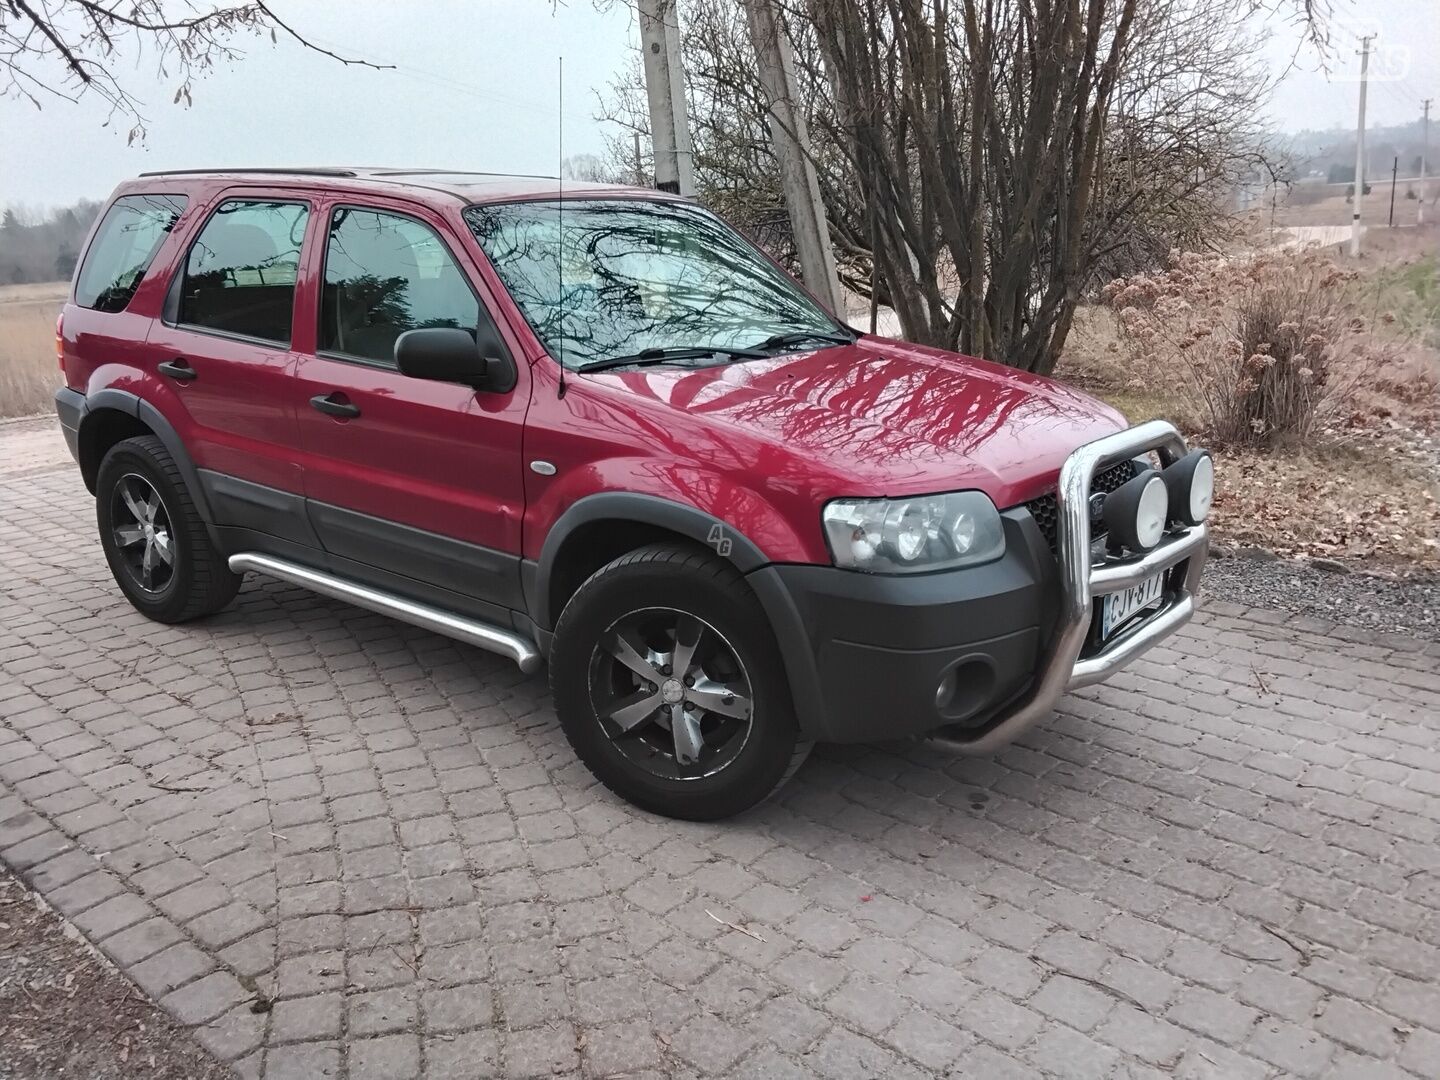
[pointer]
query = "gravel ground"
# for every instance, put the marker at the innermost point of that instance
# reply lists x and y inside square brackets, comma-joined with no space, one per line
[1410,607]
[65,1012]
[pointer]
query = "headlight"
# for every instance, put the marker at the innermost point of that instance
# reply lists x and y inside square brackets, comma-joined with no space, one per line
[901,536]
[1191,482]
[1135,512]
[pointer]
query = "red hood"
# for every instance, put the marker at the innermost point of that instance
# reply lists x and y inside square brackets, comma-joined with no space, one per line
[883,417]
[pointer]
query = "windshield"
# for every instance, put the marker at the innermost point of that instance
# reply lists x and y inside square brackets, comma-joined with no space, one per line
[637,275]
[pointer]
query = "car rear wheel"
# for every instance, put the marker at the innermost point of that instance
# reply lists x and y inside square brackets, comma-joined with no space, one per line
[154,537]
[668,684]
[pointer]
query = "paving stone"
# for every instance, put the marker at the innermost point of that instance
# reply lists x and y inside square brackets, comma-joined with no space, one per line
[85,893]
[926,1039]
[206,998]
[1294,1049]
[225,925]
[306,1019]
[385,1057]
[423,873]
[620,1049]
[462,1057]
[234,1034]
[789,1024]
[1212,1014]
[172,968]
[541,1051]
[533,1004]
[710,1045]
[1078,1004]
[114,915]
[307,1061]
[1364,1029]
[312,973]
[141,941]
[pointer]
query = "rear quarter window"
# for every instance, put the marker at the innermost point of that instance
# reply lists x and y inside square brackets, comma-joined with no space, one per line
[125,244]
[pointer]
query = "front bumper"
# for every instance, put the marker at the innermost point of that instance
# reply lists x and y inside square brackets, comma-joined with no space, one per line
[976,656]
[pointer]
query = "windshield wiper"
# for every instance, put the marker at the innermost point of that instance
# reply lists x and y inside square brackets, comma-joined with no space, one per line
[796,337]
[665,355]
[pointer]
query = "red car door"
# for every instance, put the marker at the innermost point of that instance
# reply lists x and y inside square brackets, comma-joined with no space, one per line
[224,343]
[407,480]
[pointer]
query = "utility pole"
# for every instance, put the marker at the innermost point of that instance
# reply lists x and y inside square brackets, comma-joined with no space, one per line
[1360,149]
[1394,175]
[665,89]
[790,141]
[1424,153]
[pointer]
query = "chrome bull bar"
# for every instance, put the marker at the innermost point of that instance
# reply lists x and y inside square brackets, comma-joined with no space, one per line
[1082,580]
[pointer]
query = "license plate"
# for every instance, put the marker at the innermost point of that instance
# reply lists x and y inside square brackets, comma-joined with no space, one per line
[1119,607]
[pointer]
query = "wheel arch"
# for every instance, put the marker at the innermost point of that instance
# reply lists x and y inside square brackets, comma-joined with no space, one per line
[112,415]
[599,528]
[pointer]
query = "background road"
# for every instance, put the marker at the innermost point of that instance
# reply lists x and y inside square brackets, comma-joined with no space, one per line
[1224,863]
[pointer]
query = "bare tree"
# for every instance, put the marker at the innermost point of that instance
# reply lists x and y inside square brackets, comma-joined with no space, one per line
[986,162]
[63,49]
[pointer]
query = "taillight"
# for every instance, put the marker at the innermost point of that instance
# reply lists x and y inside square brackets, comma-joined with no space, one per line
[60,341]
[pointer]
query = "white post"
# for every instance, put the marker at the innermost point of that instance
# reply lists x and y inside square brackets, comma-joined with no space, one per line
[665,89]
[1424,153]
[1360,150]
[789,138]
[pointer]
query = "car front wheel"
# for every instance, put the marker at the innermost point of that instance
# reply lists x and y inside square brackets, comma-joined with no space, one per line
[667,681]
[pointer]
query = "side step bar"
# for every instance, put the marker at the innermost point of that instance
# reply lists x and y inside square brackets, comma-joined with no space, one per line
[483,635]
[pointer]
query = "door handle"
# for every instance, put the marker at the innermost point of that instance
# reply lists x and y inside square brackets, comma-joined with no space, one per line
[178,369]
[335,404]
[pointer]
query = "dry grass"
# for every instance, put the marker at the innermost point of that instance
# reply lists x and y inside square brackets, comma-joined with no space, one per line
[28,372]
[1355,501]
[1361,493]
[1328,204]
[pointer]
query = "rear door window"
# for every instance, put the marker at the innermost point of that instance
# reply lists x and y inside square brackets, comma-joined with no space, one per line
[124,246]
[240,274]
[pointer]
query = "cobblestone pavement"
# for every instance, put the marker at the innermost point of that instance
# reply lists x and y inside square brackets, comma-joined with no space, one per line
[1223,864]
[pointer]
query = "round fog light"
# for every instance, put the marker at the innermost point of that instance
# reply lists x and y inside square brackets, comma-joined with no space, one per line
[1191,483]
[1135,512]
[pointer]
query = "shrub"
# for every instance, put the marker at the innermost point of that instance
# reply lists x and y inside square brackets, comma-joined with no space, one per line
[1263,348]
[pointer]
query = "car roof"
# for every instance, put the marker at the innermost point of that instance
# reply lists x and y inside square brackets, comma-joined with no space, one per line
[469,187]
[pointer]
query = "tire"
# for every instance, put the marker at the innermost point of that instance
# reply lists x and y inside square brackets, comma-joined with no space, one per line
[742,759]
[134,474]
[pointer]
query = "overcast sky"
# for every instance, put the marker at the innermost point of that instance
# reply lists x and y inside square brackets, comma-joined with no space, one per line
[475,87]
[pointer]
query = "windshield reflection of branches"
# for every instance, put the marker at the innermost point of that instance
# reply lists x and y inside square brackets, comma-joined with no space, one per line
[637,275]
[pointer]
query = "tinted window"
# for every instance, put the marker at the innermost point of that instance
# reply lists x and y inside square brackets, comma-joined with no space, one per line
[385,274]
[240,276]
[123,248]
[634,275]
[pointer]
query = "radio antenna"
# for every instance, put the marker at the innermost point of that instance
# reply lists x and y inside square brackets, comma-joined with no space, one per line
[560,216]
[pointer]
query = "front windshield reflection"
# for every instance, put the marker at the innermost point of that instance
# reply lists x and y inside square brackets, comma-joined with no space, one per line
[635,275]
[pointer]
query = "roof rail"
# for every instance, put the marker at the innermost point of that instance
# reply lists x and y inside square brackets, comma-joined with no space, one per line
[458,172]
[298,171]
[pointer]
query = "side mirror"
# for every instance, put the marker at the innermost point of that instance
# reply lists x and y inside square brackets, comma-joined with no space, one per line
[448,354]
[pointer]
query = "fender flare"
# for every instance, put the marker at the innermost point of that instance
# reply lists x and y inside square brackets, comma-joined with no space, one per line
[687,521]
[133,405]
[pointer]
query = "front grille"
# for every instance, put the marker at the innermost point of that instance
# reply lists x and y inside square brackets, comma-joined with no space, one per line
[1046,514]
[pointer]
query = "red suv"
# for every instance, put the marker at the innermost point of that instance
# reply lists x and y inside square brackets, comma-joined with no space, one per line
[597,427]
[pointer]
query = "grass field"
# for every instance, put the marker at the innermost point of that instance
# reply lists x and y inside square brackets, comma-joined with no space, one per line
[28,372]
[1371,495]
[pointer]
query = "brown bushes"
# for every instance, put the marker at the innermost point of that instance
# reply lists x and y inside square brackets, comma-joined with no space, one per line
[1263,349]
